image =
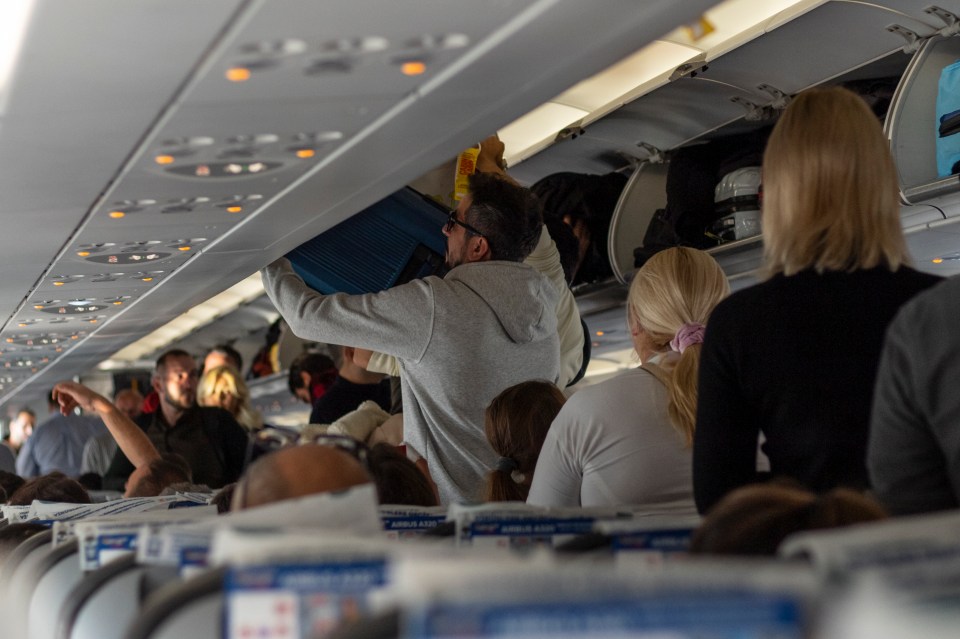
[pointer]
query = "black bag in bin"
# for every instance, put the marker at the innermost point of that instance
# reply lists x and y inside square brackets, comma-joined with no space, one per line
[692,176]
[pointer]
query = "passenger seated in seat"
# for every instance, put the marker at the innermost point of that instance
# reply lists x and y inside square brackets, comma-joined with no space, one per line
[150,479]
[52,487]
[297,472]
[398,480]
[516,423]
[796,356]
[352,386]
[755,519]
[627,440]
[10,482]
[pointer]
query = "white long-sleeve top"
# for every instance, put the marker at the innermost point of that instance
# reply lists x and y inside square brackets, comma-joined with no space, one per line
[612,444]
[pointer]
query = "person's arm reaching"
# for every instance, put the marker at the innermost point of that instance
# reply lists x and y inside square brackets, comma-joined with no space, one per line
[396,321]
[130,439]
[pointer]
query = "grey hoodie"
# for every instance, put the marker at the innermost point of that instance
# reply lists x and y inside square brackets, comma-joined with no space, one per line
[460,341]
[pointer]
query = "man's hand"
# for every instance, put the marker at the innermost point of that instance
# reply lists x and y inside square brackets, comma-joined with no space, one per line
[71,395]
[490,159]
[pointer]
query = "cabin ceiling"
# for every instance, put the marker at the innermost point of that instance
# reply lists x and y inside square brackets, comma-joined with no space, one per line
[135,161]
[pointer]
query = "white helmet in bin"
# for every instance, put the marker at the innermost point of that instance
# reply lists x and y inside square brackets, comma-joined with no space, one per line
[738,204]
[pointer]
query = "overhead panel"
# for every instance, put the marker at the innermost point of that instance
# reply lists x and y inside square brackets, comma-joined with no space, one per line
[297,113]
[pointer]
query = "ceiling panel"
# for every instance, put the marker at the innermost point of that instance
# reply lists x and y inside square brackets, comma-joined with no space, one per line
[517,54]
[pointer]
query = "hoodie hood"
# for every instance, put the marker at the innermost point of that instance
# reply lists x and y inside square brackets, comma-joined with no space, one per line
[523,300]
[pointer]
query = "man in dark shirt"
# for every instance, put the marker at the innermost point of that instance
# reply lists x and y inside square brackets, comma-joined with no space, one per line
[353,386]
[211,441]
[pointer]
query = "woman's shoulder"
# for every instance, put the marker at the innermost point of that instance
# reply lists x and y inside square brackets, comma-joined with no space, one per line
[625,386]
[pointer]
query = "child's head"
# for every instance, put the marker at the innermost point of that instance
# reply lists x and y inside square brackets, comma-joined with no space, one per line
[516,424]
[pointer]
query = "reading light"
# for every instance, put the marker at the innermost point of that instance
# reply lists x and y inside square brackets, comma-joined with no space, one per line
[58,283]
[413,67]
[937,260]
[234,209]
[184,248]
[147,279]
[164,159]
[117,303]
[117,214]
[238,74]
[83,253]
[39,307]
[9,340]
[304,154]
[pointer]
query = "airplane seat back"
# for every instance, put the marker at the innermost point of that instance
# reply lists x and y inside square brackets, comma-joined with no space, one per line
[193,608]
[103,603]
[18,578]
[57,574]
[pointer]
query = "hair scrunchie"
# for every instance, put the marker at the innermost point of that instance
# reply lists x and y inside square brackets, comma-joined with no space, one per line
[507,465]
[688,335]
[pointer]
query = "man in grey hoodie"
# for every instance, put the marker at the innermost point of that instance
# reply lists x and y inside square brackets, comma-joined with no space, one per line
[488,324]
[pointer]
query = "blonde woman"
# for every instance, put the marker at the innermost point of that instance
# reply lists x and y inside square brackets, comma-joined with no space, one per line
[795,357]
[626,441]
[223,388]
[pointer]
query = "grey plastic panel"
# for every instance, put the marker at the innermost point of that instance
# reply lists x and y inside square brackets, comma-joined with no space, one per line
[644,193]
[50,594]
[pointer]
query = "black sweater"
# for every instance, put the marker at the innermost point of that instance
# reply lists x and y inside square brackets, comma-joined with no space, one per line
[796,358]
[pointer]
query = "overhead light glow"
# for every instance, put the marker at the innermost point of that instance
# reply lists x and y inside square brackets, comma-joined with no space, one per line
[238,74]
[58,283]
[728,25]
[83,253]
[234,209]
[413,67]
[117,214]
[937,260]
[183,248]
[226,302]
[147,279]
[164,159]
[304,154]
[117,303]
[14,18]
[600,333]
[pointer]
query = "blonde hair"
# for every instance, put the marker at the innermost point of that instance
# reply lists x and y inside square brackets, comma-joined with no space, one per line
[207,395]
[675,287]
[830,199]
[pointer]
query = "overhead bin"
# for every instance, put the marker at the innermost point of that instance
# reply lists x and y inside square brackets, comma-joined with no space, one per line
[912,124]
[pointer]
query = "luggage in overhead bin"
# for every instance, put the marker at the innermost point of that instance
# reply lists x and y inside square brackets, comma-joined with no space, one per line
[737,205]
[948,121]
[692,178]
[581,205]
